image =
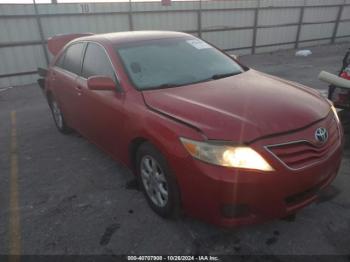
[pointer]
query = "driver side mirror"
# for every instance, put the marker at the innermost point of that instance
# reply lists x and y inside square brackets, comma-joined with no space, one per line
[101,83]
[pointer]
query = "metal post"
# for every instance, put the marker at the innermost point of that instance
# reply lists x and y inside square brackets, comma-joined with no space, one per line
[300,23]
[255,30]
[40,28]
[199,19]
[335,30]
[131,24]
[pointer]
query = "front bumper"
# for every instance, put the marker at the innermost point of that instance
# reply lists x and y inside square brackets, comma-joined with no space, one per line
[231,197]
[263,196]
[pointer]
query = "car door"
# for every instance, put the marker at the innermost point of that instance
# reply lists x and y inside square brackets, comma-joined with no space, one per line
[101,112]
[63,78]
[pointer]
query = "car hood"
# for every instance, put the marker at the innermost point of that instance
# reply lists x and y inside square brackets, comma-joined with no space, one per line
[241,108]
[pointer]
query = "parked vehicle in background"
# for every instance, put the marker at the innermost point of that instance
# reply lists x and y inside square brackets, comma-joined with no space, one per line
[339,89]
[338,94]
[203,133]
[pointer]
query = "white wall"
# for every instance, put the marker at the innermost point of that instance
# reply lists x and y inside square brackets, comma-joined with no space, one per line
[227,24]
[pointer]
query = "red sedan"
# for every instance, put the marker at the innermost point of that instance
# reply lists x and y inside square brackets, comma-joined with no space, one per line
[203,133]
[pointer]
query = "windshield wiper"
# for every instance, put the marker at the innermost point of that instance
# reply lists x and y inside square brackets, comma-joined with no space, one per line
[166,85]
[170,85]
[219,76]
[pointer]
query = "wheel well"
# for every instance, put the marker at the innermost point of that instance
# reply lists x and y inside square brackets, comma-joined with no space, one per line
[133,147]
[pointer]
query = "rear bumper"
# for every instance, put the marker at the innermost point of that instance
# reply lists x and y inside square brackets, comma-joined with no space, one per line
[231,197]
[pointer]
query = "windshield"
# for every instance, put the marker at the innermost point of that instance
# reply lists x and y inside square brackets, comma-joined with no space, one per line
[165,63]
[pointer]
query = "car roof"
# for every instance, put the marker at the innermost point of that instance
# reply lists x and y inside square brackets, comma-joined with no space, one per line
[133,36]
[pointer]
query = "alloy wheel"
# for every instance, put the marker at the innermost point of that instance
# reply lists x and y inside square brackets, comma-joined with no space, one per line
[154,181]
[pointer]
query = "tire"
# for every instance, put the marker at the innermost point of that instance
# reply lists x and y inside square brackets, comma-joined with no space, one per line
[161,190]
[58,117]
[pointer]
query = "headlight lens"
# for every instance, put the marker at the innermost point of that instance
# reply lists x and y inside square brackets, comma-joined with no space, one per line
[224,155]
[335,113]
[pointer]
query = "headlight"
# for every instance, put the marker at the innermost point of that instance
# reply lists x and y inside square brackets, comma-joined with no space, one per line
[224,155]
[335,113]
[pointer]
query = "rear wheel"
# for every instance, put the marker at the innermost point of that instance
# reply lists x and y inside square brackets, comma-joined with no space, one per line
[157,182]
[59,118]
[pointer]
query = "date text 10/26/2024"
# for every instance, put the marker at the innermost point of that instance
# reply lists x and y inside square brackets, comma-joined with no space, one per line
[172,258]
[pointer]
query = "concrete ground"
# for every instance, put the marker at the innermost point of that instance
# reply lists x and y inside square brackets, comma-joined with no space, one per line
[73,199]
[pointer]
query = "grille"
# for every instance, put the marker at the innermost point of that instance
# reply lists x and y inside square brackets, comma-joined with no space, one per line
[303,153]
[297,198]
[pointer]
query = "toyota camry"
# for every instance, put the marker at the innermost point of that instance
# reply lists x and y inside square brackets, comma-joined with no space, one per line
[204,134]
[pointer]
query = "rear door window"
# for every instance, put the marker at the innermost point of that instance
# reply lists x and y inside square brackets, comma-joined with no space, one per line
[96,62]
[60,60]
[73,58]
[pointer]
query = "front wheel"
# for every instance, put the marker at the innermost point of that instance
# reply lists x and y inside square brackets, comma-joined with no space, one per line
[158,184]
[59,118]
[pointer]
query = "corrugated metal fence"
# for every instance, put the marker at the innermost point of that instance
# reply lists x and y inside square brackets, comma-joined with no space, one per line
[242,26]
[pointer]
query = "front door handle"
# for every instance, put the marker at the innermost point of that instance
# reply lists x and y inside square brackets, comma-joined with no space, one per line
[53,76]
[79,88]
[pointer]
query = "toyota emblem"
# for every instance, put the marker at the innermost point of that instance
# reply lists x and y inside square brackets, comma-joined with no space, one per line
[321,135]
